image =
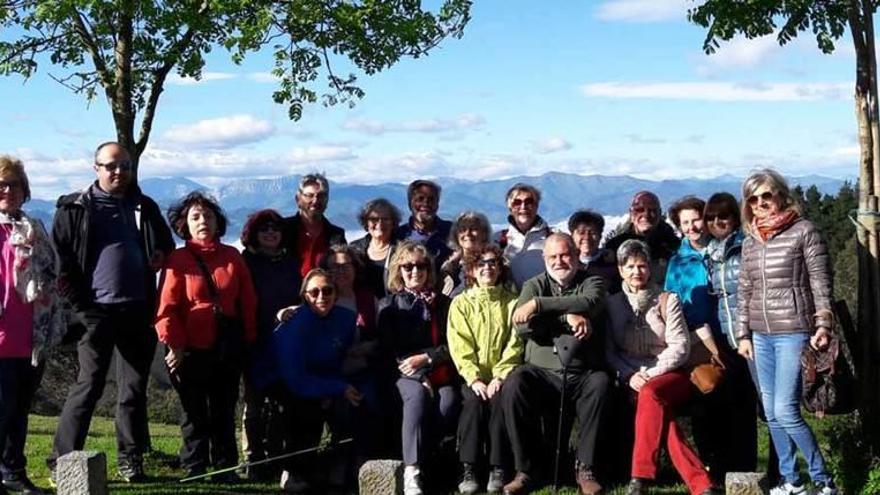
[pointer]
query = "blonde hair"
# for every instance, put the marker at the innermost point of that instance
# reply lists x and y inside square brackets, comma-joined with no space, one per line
[777,183]
[406,250]
[316,273]
[13,166]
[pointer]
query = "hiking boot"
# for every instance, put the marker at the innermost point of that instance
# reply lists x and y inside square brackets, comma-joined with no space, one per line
[586,480]
[412,480]
[468,485]
[131,470]
[789,489]
[19,483]
[521,484]
[825,488]
[637,486]
[496,480]
[293,483]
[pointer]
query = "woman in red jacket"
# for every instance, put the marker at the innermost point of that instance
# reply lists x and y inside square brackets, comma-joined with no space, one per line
[206,317]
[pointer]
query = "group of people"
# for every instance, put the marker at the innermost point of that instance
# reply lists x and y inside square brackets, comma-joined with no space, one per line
[425,335]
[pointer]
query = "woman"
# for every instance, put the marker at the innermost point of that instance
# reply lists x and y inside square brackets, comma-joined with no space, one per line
[784,303]
[277,280]
[379,218]
[586,227]
[308,351]
[646,345]
[206,316]
[485,349]
[412,325]
[469,233]
[29,325]
[686,274]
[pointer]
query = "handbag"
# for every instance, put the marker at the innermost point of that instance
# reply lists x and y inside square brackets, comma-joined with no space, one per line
[229,344]
[829,376]
[704,362]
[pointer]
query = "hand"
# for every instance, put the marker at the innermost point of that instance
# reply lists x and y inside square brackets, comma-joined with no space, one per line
[287,313]
[820,340]
[412,364]
[525,312]
[637,381]
[174,359]
[480,389]
[580,326]
[494,387]
[157,260]
[746,349]
[353,396]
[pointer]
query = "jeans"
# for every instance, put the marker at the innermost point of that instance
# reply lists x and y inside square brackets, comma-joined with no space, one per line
[778,358]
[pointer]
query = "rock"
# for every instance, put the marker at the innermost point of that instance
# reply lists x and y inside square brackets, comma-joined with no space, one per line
[381,477]
[747,484]
[81,473]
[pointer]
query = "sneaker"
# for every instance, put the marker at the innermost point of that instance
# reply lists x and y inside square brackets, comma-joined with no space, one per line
[131,470]
[468,485]
[637,486]
[586,480]
[521,484]
[412,480]
[293,483]
[496,480]
[21,484]
[789,489]
[822,488]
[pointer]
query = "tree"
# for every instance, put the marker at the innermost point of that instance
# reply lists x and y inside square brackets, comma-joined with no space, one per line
[127,48]
[828,21]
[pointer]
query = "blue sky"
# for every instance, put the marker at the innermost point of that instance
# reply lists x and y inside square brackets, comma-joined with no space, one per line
[590,87]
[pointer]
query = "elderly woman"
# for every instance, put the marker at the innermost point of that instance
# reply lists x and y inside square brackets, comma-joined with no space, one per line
[646,345]
[523,240]
[379,218]
[469,233]
[206,316]
[276,277]
[412,326]
[29,325]
[784,304]
[485,349]
[585,227]
[646,223]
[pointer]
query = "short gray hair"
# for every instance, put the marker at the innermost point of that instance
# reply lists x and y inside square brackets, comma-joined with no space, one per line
[523,187]
[633,248]
[314,179]
[567,238]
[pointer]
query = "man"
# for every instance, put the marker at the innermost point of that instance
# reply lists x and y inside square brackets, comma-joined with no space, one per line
[646,223]
[111,239]
[585,227]
[423,197]
[309,234]
[523,241]
[560,308]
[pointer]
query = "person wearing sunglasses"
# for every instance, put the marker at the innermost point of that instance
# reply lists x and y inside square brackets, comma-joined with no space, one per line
[309,233]
[111,240]
[277,280]
[646,223]
[485,349]
[784,303]
[412,327]
[378,217]
[469,233]
[207,317]
[586,227]
[523,239]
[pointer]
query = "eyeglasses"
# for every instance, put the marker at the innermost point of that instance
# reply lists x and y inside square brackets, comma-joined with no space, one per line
[122,166]
[721,217]
[8,185]
[380,219]
[516,203]
[765,196]
[310,196]
[638,210]
[408,267]
[270,227]
[326,291]
[487,262]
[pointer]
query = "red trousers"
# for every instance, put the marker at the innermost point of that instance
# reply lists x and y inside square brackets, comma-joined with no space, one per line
[655,425]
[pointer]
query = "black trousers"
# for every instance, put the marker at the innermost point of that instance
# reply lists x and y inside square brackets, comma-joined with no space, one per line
[262,424]
[126,330]
[481,428]
[208,391]
[18,382]
[531,392]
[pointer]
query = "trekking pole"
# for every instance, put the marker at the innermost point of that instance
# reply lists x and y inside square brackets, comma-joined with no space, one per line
[263,461]
[559,431]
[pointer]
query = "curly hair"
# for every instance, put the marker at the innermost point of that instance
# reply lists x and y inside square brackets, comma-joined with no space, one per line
[472,261]
[469,220]
[375,205]
[404,252]
[685,203]
[177,214]
[255,222]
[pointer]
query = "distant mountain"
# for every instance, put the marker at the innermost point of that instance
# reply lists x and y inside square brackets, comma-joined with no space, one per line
[562,194]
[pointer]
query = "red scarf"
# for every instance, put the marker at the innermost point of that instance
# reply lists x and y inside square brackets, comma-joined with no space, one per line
[773,224]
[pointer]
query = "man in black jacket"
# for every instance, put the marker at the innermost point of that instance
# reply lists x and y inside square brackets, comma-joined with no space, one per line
[111,239]
[309,234]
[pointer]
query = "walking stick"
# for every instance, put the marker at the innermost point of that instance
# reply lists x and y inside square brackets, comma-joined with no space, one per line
[564,346]
[262,461]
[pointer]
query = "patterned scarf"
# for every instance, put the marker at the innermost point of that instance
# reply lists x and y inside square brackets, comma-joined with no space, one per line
[424,298]
[773,224]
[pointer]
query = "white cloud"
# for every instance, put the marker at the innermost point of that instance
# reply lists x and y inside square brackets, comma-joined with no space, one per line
[321,153]
[742,53]
[719,91]
[551,145]
[223,132]
[263,77]
[643,10]
[464,122]
[175,79]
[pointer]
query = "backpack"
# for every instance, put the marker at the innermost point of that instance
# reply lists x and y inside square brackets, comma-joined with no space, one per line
[829,376]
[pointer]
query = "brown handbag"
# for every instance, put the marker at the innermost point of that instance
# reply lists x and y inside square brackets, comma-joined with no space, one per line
[705,364]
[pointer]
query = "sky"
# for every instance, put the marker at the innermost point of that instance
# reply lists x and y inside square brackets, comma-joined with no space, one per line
[590,87]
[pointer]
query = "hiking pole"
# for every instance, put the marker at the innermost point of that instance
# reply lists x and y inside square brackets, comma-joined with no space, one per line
[263,461]
[564,346]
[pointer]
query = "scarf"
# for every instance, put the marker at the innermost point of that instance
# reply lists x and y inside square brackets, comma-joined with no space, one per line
[641,301]
[770,226]
[424,298]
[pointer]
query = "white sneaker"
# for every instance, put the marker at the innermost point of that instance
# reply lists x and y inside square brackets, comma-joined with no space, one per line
[825,489]
[292,483]
[789,489]
[412,480]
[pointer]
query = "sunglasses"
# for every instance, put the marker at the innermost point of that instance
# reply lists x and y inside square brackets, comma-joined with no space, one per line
[326,291]
[122,166]
[8,185]
[766,196]
[413,266]
[639,210]
[270,227]
[516,203]
[487,262]
[721,216]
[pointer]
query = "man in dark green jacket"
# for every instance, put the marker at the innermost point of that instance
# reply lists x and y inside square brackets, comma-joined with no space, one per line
[561,307]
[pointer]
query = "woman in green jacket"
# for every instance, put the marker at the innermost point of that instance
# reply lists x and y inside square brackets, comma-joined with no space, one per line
[485,349]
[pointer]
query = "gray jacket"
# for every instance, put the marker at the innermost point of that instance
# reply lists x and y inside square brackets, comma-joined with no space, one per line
[785,283]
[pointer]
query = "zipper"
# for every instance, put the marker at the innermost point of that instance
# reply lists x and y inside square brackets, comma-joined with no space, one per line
[726,302]
[764,286]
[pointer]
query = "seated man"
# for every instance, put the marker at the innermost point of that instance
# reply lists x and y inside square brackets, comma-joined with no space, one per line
[561,304]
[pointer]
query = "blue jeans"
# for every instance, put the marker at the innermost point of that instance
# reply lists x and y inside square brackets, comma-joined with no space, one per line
[778,358]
